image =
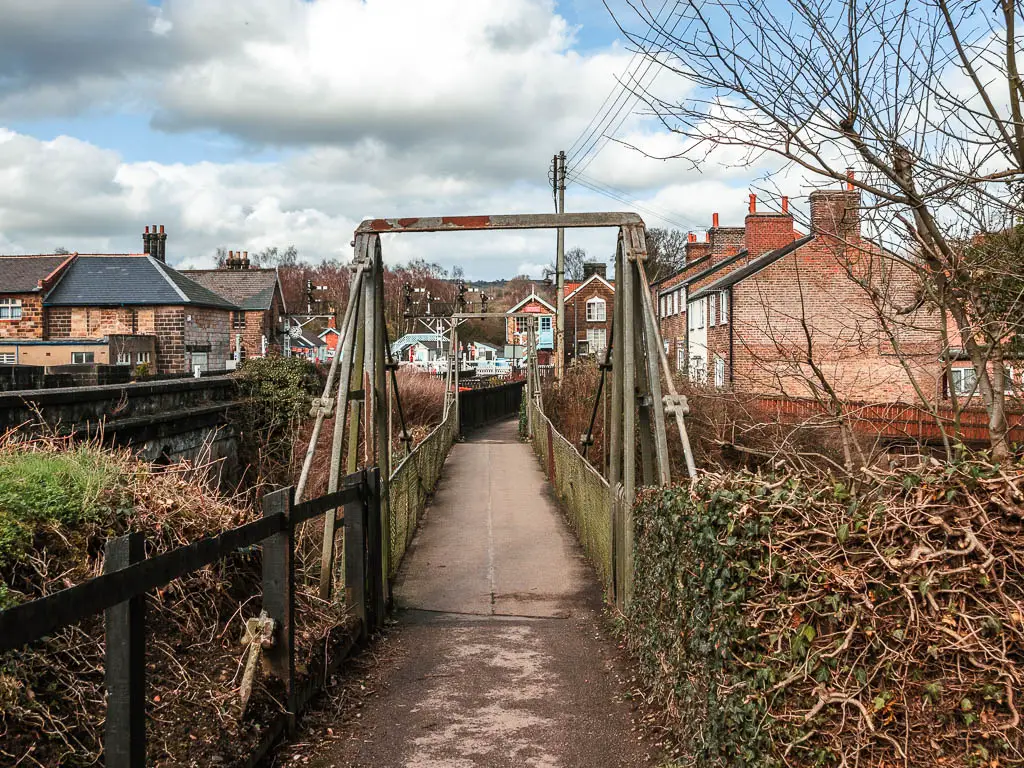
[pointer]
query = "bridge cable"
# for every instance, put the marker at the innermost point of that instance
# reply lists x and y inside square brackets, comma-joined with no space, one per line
[392,366]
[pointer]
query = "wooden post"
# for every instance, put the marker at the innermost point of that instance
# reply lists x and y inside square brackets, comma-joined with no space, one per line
[643,387]
[356,517]
[279,595]
[376,576]
[124,743]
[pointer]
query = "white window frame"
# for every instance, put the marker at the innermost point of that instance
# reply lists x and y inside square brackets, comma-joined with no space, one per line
[142,357]
[723,306]
[698,372]
[124,358]
[10,309]
[712,310]
[8,358]
[719,372]
[83,355]
[521,325]
[675,302]
[966,382]
[701,312]
[600,310]
[680,357]
[597,340]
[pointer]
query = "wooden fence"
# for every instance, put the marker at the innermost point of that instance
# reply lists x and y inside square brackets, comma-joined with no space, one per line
[128,575]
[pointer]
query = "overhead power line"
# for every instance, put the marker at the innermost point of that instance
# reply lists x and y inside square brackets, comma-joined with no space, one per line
[624,197]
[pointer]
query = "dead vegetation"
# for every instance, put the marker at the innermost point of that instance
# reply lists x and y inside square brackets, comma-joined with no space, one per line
[52,696]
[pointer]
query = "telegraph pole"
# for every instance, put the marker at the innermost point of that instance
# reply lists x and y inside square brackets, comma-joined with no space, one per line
[559,182]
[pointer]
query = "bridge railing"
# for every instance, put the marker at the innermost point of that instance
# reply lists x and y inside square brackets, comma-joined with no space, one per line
[585,495]
[486,404]
[120,593]
[412,482]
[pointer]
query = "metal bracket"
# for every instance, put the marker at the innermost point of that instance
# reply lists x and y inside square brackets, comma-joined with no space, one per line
[322,405]
[586,439]
[676,401]
[604,367]
[391,366]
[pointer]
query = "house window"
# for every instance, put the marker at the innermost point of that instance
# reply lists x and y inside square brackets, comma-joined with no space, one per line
[964,380]
[700,313]
[596,310]
[10,309]
[545,323]
[82,358]
[1009,380]
[675,303]
[8,358]
[680,358]
[597,340]
[723,304]
[521,324]
[124,358]
[698,373]
[692,318]
[719,372]
[237,321]
[142,357]
[711,310]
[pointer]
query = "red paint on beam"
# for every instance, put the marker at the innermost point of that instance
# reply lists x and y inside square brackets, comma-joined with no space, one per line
[466,222]
[403,223]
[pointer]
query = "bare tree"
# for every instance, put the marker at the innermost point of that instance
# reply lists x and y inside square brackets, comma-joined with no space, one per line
[666,252]
[923,97]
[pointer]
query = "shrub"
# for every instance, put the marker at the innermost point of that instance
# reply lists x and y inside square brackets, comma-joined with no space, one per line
[793,620]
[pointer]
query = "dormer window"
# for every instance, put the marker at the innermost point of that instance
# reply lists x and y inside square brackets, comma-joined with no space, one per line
[596,310]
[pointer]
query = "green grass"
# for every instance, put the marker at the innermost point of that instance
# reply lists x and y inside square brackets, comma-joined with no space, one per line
[66,489]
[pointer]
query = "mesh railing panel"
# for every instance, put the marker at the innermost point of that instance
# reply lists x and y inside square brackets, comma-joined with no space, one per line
[412,481]
[584,494]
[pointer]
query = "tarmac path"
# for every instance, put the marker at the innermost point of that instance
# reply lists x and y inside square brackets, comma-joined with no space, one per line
[500,658]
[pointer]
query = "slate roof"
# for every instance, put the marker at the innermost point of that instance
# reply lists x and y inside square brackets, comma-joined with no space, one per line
[706,272]
[682,269]
[250,289]
[25,274]
[750,268]
[130,280]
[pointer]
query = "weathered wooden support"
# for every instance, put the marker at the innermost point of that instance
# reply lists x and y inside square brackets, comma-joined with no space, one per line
[279,595]
[124,742]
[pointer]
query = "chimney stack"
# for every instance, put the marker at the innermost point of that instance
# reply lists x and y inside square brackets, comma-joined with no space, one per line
[595,268]
[714,220]
[767,231]
[147,241]
[160,240]
[836,213]
[849,179]
[245,260]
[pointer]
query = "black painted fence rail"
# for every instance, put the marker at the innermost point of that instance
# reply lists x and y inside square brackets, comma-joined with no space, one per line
[129,575]
[478,407]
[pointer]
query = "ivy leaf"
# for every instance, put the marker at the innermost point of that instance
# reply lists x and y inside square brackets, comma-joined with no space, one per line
[844,533]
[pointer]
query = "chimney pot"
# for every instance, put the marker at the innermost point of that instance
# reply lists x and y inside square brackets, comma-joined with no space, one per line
[753,203]
[785,204]
[161,229]
[245,259]
[707,237]
[691,237]
[714,220]
[147,240]
[849,179]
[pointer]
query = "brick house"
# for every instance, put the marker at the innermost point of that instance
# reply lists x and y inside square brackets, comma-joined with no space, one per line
[794,309]
[588,313]
[139,295]
[257,325]
[516,329]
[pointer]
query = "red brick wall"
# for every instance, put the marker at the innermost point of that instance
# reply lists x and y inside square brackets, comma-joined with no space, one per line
[58,322]
[170,340]
[208,330]
[30,326]
[576,323]
[812,291]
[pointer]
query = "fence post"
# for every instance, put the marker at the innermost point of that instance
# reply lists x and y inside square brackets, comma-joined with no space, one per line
[356,517]
[376,578]
[124,743]
[279,594]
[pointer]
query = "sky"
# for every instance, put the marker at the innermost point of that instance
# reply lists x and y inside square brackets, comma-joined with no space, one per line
[245,124]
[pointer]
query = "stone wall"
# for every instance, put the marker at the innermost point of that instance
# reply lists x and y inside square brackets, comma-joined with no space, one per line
[208,331]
